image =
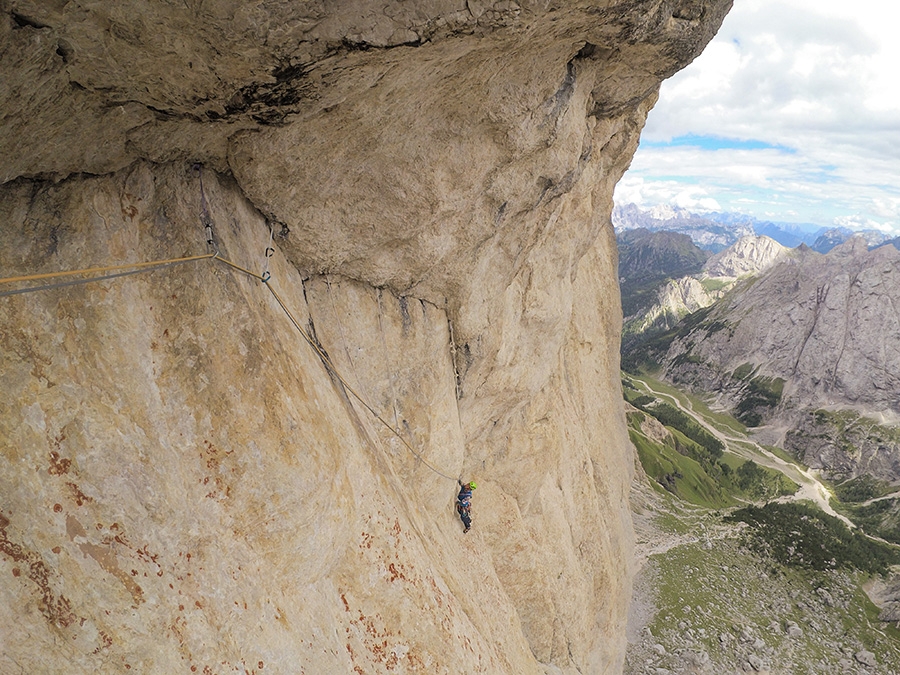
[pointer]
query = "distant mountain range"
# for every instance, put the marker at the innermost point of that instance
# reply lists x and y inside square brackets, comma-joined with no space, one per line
[664,276]
[717,231]
[647,260]
[807,350]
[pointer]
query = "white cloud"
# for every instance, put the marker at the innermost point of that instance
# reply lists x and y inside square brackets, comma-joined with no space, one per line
[695,200]
[817,77]
[861,223]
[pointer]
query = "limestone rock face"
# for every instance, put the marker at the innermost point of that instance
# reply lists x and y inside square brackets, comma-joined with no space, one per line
[185,483]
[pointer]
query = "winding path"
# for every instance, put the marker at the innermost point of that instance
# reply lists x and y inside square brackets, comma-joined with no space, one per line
[811,488]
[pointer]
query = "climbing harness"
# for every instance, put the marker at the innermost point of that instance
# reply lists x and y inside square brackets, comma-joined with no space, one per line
[207,222]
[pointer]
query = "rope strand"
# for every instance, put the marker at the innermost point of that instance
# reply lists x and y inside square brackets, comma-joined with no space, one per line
[109,268]
[138,268]
[76,282]
[327,361]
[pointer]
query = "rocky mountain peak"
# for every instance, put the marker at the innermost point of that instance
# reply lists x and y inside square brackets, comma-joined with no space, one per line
[853,246]
[748,255]
[818,325]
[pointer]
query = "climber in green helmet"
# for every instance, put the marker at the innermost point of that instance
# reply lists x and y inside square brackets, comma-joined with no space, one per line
[464,503]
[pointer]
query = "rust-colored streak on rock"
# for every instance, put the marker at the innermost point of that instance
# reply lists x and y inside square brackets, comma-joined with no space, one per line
[106,558]
[55,608]
[58,465]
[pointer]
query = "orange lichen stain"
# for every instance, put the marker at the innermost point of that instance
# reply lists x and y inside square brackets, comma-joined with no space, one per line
[415,662]
[56,609]
[58,465]
[144,554]
[213,458]
[78,496]
[438,594]
[57,508]
[105,643]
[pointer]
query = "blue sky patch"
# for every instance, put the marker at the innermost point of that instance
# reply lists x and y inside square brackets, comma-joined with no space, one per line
[716,143]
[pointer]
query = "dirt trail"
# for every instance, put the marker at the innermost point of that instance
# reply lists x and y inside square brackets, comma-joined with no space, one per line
[811,488]
[892,495]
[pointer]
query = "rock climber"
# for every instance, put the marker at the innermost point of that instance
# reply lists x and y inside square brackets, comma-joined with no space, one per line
[464,503]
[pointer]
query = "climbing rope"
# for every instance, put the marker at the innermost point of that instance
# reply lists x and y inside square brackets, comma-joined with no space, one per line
[323,355]
[265,277]
[133,268]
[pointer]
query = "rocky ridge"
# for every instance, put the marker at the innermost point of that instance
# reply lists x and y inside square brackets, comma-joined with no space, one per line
[812,334]
[705,231]
[186,485]
[677,298]
[748,255]
[822,329]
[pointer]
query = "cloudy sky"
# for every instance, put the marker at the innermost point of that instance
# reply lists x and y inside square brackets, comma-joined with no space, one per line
[792,114]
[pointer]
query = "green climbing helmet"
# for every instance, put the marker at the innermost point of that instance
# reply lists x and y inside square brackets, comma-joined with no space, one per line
[472,485]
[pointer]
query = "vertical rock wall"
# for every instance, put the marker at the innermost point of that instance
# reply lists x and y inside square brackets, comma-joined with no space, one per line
[185,483]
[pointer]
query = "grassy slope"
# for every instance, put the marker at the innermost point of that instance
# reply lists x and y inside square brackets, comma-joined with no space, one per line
[717,594]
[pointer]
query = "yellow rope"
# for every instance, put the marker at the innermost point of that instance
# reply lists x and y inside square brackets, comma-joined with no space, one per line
[149,266]
[328,363]
[98,270]
[256,276]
